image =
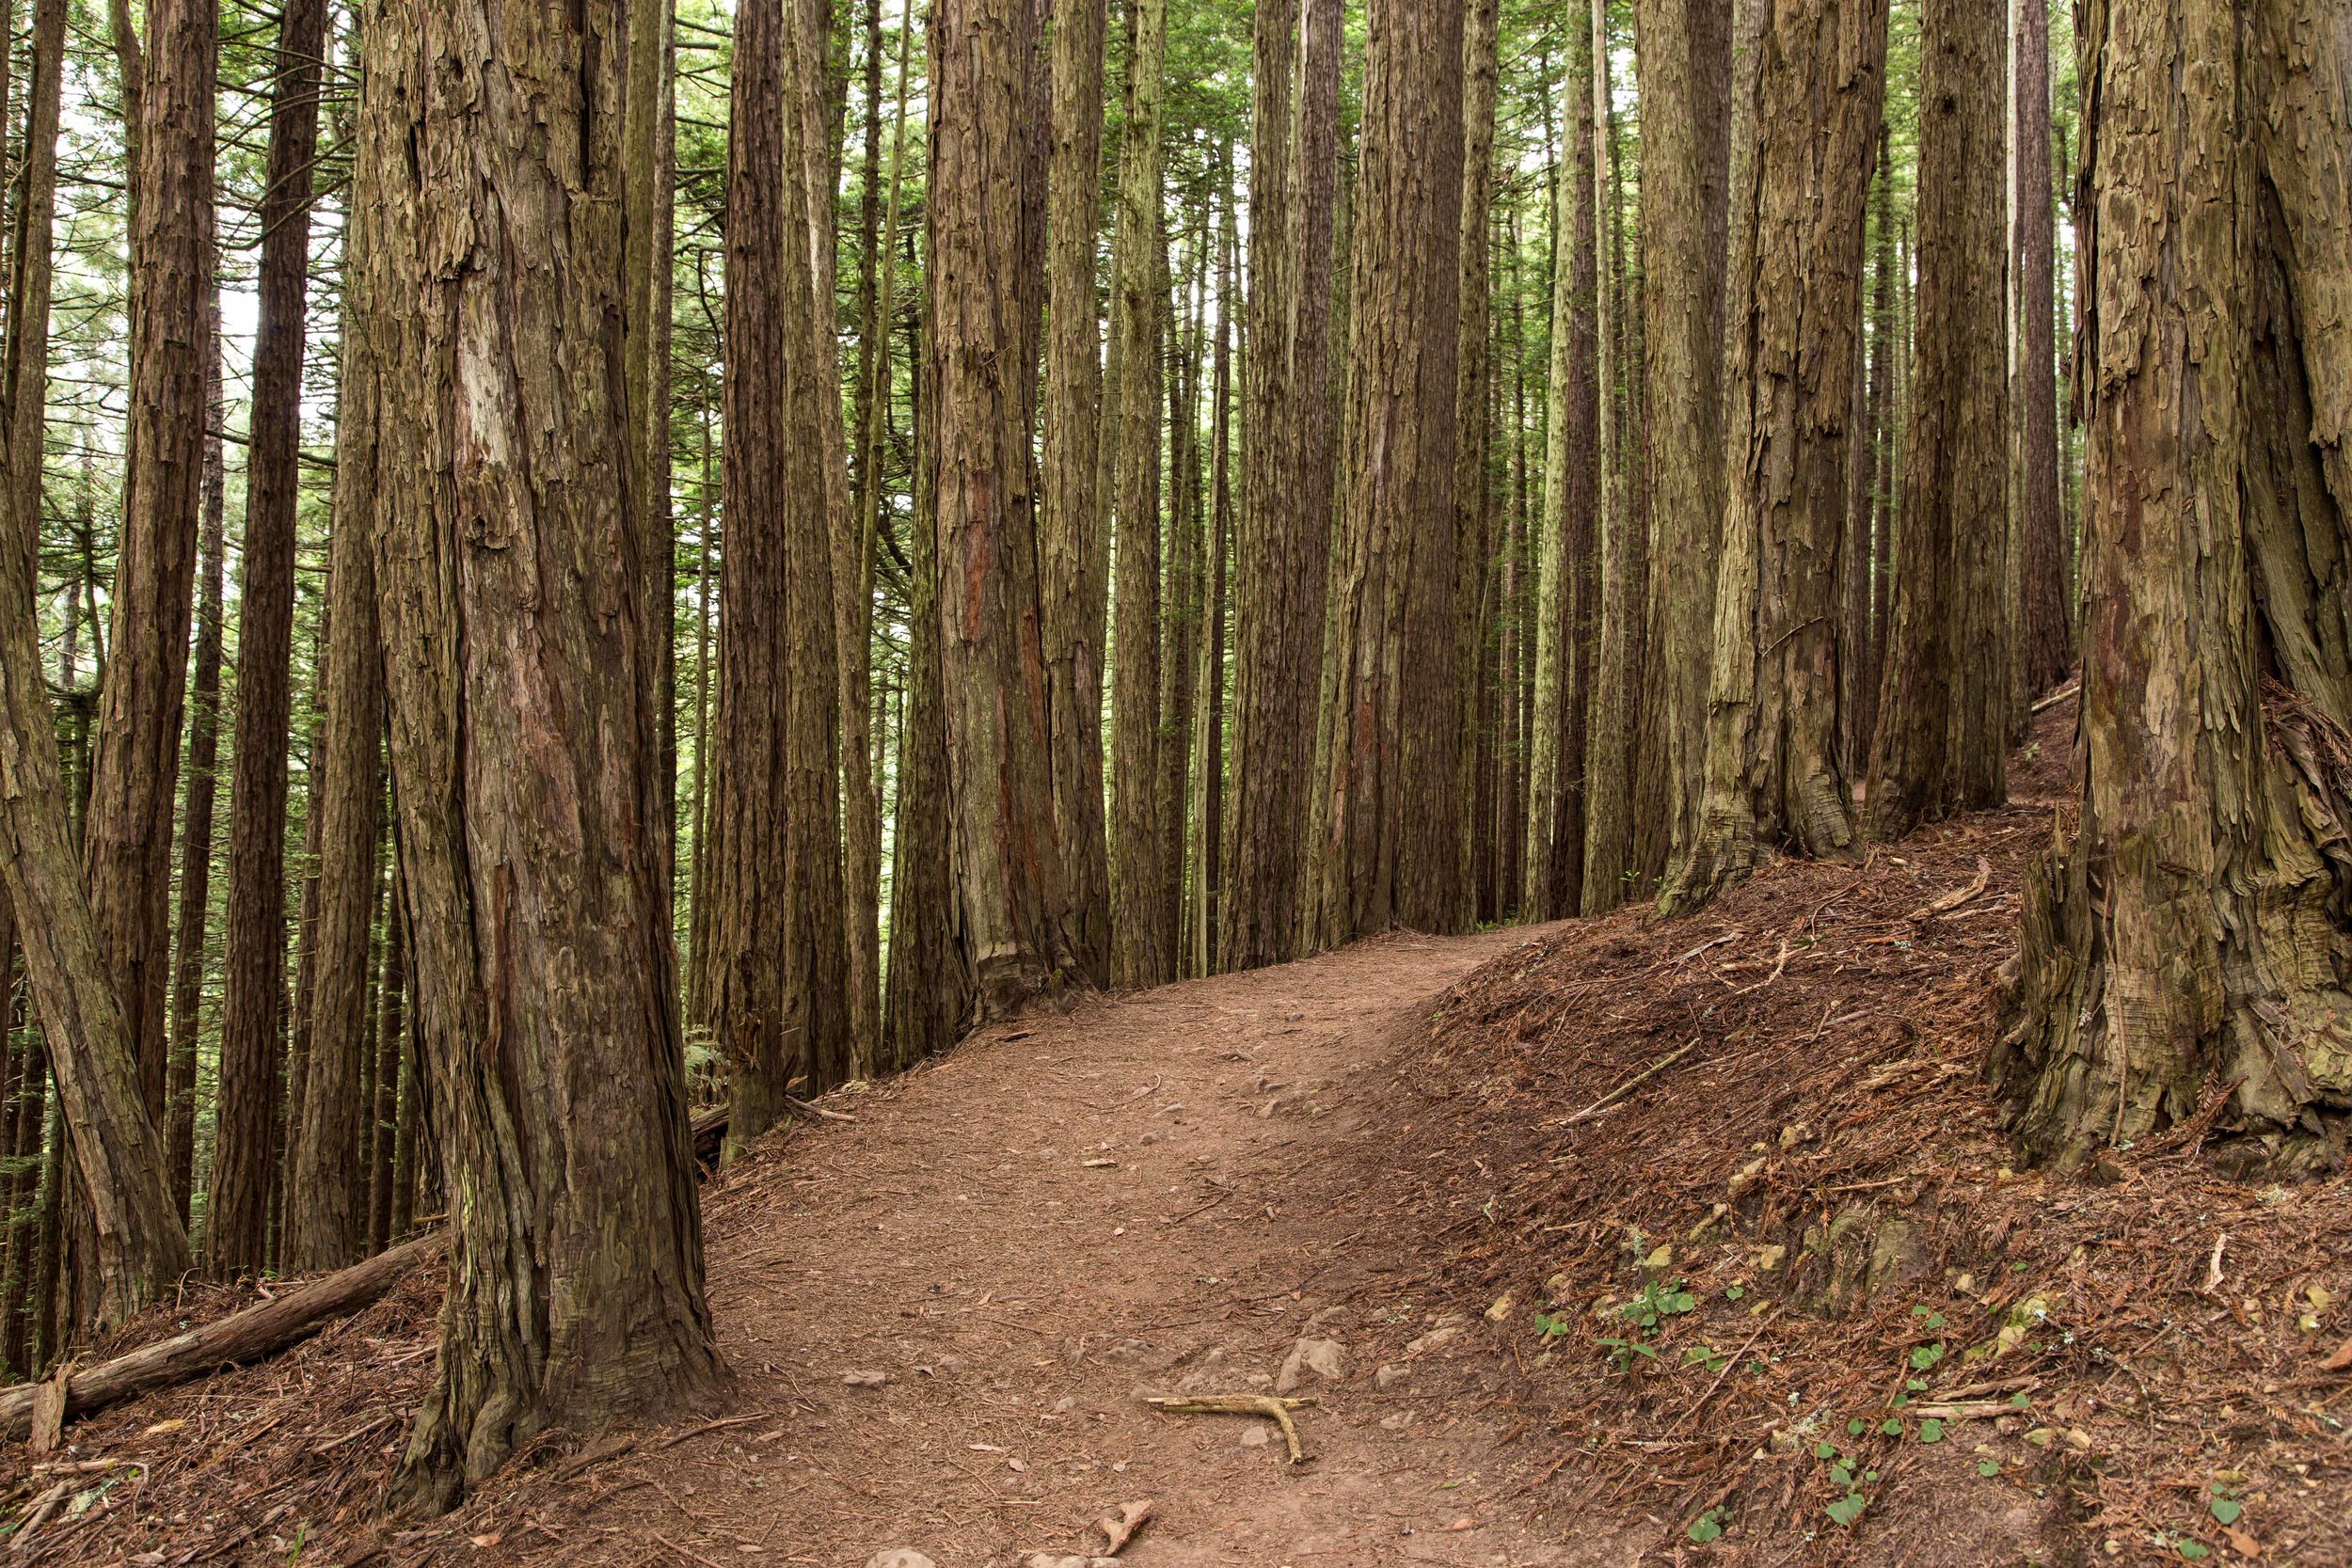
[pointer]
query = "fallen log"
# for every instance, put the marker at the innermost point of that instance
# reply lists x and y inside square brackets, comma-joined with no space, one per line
[257,1332]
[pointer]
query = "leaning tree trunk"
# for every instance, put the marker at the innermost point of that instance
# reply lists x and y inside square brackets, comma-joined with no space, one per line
[1142,945]
[326,1224]
[254,955]
[1389,791]
[525,748]
[1942,736]
[127,833]
[1774,777]
[1006,857]
[1069,526]
[2182,947]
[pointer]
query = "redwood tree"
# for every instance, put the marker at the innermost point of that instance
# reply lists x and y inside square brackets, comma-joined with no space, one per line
[1774,777]
[524,748]
[2182,945]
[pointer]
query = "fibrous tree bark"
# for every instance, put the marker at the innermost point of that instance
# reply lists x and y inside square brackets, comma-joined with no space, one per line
[1774,778]
[524,748]
[1858,661]
[1553,866]
[128,827]
[1684,63]
[1390,794]
[1073,562]
[1005,854]
[326,1223]
[1942,734]
[777,964]
[1208,780]
[1623,556]
[2041,636]
[1258,923]
[2181,953]
[254,955]
[1474,548]
[1143,948]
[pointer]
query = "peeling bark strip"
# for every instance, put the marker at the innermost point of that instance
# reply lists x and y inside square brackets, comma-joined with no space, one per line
[524,746]
[2189,934]
[1774,776]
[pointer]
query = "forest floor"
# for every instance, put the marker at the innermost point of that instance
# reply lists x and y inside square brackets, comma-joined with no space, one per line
[1592,1243]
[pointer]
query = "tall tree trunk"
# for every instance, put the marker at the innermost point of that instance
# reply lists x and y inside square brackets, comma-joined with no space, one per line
[1208,783]
[253,994]
[1005,856]
[198,809]
[510,592]
[1183,603]
[648,214]
[929,986]
[1258,923]
[2043,648]
[1391,790]
[325,1222]
[2181,937]
[127,837]
[1473,548]
[1555,810]
[1072,561]
[384,1113]
[778,962]
[1142,949]
[141,1245]
[1684,61]
[1865,536]
[1616,644]
[1943,736]
[1774,778]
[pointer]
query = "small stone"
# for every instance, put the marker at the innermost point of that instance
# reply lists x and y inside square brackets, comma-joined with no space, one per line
[1795,1133]
[1148,1138]
[1387,1377]
[1397,1422]
[899,1557]
[1437,1339]
[1256,1435]
[1322,1357]
[857,1378]
[1502,1309]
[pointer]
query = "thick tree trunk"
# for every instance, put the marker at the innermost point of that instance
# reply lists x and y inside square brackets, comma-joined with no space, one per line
[1685,66]
[510,591]
[1072,561]
[1208,780]
[777,966]
[1867,541]
[325,1222]
[1943,738]
[1555,810]
[128,830]
[1182,602]
[1006,857]
[1258,923]
[1142,946]
[2181,950]
[1391,792]
[2043,647]
[1774,778]
[253,994]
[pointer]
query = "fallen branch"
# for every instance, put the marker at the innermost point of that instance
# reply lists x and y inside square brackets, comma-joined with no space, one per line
[2063,693]
[1958,896]
[1597,1106]
[248,1335]
[1120,1528]
[817,1110]
[1240,1404]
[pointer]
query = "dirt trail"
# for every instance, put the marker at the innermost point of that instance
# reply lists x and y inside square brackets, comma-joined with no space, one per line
[1150,1195]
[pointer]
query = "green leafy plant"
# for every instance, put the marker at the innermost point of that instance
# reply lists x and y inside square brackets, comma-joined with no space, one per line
[1988,1467]
[2221,1502]
[1845,1510]
[1706,1526]
[1643,1316]
[1550,1327]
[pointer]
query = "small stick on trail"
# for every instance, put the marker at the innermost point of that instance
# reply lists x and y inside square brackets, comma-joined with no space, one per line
[1240,1404]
